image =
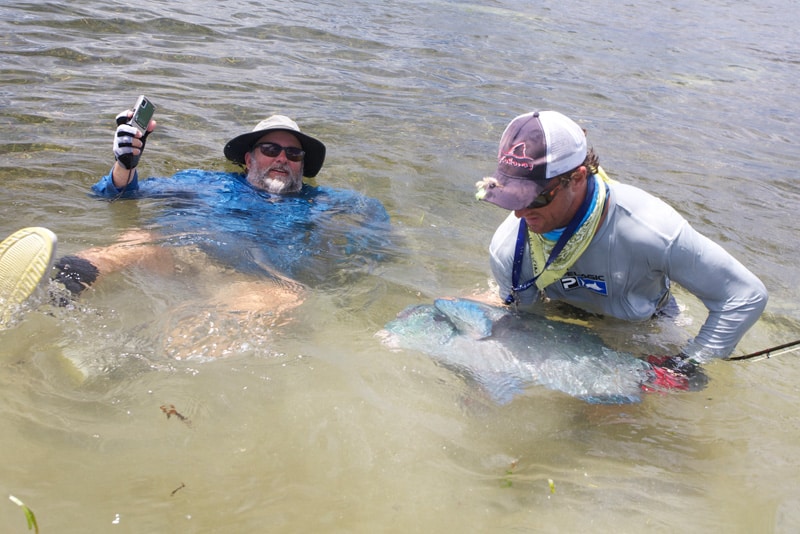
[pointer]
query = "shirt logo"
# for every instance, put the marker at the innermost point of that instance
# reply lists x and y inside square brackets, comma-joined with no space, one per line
[590,282]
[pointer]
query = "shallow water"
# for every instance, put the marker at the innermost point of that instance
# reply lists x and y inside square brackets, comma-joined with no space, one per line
[314,425]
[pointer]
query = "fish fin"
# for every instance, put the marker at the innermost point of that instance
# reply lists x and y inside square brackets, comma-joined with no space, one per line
[472,318]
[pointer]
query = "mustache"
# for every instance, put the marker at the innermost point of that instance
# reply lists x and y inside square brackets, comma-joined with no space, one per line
[279,167]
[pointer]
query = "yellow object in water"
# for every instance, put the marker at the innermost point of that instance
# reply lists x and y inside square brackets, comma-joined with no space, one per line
[25,258]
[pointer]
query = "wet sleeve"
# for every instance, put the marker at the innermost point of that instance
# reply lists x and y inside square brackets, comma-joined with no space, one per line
[734,296]
[371,235]
[105,187]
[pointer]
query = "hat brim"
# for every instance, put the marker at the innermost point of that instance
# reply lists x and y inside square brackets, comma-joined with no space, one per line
[513,193]
[237,147]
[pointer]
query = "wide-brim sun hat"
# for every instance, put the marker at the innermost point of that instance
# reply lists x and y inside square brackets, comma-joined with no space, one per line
[237,147]
[534,148]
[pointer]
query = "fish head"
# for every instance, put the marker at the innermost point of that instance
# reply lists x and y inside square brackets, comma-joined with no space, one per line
[472,318]
[418,327]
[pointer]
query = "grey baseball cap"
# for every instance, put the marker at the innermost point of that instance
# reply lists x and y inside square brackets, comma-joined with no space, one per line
[534,148]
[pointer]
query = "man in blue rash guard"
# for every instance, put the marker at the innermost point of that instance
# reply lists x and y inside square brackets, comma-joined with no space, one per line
[264,222]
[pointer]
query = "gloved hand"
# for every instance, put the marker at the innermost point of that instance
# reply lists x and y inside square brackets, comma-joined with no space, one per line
[123,141]
[674,372]
[75,273]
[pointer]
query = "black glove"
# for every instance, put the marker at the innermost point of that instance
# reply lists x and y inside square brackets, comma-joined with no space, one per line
[123,142]
[75,273]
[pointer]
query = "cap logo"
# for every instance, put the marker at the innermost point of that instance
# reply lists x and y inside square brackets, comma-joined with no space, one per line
[516,157]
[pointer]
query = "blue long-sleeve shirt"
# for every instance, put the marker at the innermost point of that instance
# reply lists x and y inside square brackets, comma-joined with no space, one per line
[318,236]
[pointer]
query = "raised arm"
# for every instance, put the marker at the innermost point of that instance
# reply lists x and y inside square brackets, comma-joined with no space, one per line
[129,144]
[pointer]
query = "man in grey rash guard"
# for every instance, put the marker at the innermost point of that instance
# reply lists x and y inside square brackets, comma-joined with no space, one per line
[576,236]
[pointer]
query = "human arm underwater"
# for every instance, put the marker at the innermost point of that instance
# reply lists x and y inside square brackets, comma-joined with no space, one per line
[734,296]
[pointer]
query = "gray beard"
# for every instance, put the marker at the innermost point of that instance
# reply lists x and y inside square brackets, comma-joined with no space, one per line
[260,179]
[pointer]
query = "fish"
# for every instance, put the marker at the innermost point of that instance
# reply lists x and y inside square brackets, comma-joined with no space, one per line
[506,353]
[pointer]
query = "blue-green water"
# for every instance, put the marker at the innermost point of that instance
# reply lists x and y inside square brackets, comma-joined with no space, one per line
[321,428]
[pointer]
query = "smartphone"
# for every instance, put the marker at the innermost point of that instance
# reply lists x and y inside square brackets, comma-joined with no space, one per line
[142,113]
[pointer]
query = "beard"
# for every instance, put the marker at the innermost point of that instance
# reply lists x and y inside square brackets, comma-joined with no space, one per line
[278,184]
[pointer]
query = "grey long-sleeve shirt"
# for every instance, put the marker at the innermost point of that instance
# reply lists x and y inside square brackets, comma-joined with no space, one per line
[625,272]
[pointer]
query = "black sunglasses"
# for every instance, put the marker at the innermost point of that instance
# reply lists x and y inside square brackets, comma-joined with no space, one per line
[272,150]
[545,197]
